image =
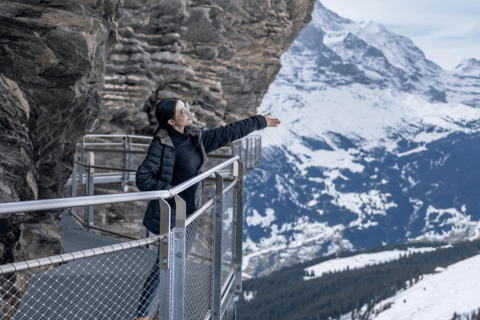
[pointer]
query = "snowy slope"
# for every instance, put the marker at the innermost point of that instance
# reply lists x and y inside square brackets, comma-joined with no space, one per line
[437,296]
[378,145]
[360,261]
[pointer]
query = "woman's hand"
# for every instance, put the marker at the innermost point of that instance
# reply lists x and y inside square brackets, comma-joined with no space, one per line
[271,122]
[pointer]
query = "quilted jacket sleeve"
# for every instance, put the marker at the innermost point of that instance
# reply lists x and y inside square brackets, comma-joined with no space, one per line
[216,138]
[147,172]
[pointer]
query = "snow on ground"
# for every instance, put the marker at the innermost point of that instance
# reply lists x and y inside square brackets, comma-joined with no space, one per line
[437,296]
[460,223]
[360,261]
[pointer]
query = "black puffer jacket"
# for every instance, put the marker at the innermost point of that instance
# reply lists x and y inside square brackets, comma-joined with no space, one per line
[156,171]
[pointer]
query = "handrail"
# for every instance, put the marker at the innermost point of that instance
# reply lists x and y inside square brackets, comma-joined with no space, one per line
[113,150]
[65,257]
[83,224]
[210,155]
[50,204]
[86,165]
[116,136]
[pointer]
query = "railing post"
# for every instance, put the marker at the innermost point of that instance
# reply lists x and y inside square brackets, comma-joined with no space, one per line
[74,183]
[259,152]
[238,172]
[128,147]
[90,185]
[164,257]
[217,248]
[82,160]
[251,153]
[178,261]
[247,152]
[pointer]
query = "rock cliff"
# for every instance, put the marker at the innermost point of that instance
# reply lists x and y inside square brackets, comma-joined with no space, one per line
[51,72]
[220,55]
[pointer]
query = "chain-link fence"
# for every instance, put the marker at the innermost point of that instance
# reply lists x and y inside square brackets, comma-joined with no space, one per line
[187,272]
[199,264]
[102,283]
[228,233]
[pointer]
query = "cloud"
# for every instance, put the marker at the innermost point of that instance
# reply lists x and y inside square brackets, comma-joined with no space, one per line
[447,31]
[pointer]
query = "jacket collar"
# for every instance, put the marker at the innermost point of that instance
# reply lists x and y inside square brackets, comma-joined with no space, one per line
[165,139]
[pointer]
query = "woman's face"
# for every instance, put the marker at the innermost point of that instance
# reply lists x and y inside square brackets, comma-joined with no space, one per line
[180,120]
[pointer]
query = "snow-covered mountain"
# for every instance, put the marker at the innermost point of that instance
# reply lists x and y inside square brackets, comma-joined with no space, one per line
[469,67]
[377,145]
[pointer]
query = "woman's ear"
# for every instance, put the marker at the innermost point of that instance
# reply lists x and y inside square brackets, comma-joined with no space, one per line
[171,122]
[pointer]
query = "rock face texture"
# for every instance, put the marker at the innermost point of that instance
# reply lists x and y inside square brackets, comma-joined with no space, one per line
[220,55]
[52,62]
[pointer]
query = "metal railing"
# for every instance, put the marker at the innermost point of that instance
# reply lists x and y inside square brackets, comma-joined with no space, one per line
[191,271]
[106,164]
[130,151]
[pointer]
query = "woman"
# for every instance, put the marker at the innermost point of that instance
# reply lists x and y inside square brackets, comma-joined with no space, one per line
[176,154]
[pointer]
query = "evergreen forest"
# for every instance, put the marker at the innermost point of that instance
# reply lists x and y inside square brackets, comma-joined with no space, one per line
[285,295]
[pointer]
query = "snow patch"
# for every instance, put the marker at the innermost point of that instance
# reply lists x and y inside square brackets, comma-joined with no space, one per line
[416,150]
[437,296]
[361,261]
[263,221]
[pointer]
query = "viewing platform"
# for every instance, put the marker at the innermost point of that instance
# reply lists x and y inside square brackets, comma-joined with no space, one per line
[103,275]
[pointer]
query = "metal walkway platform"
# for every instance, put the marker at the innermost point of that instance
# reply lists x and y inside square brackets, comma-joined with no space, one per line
[76,239]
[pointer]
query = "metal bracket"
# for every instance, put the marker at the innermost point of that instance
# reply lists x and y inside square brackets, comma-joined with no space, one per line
[181,212]
[164,247]
[178,270]
[219,184]
[91,163]
[238,170]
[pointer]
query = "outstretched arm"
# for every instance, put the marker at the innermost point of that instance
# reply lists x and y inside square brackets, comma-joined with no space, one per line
[216,138]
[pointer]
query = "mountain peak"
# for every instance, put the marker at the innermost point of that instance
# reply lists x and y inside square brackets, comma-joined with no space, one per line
[371,26]
[469,67]
[324,18]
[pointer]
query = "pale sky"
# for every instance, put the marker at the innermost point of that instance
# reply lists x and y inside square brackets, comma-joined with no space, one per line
[447,31]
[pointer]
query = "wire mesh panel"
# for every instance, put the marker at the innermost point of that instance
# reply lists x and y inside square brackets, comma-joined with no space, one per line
[122,218]
[106,286]
[108,178]
[228,236]
[199,266]
[122,221]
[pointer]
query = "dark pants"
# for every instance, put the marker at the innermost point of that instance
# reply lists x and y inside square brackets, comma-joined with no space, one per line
[150,287]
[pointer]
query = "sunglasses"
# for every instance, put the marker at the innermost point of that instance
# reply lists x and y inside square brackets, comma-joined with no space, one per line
[184,111]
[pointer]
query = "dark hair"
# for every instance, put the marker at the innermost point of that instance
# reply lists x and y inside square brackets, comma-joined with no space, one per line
[164,111]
